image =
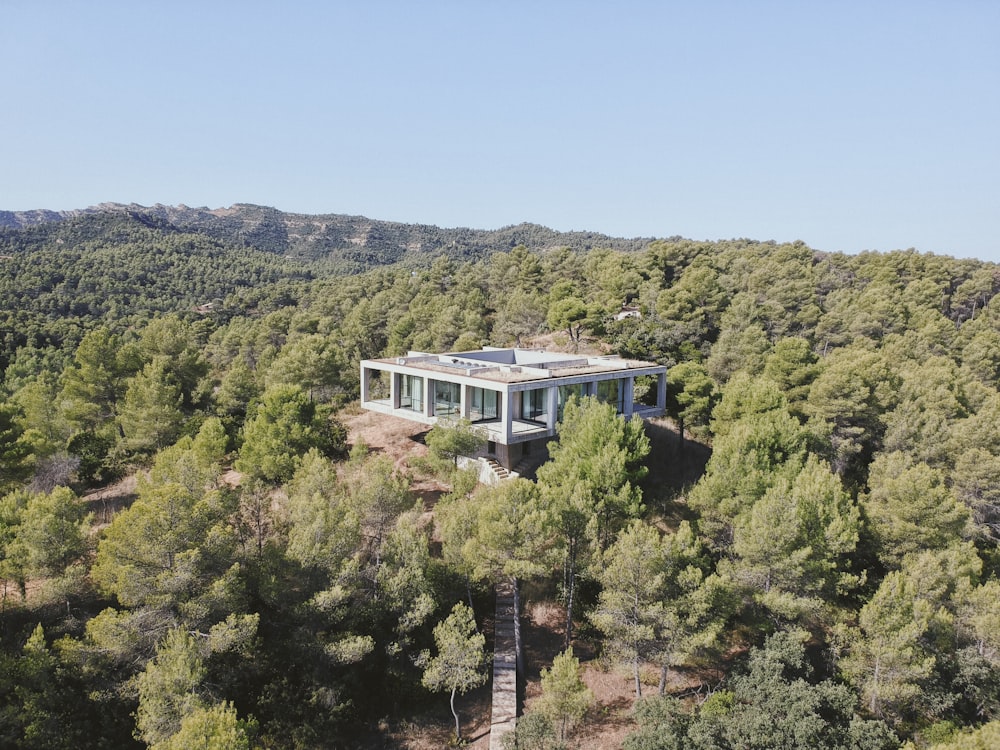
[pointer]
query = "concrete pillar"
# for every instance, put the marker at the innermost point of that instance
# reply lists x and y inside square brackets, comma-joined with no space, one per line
[428,394]
[394,389]
[506,414]
[627,401]
[661,391]
[365,373]
[552,397]
[464,401]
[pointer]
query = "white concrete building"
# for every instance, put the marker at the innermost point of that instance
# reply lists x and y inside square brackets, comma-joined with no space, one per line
[515,395]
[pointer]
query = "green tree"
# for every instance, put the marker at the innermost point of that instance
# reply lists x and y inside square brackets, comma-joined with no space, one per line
[690,395]
[565,698]
[846,402]
[630,607]
[53,533]
[976,483]
[511,533]
[745,396]
[46,427]
[48,711]
[750,458]
[604,451]
[447,440]
[933,396]
[169,688]
[533,731]
[663,725]
[986,737]
[15,451]
[657,603]
[150,417]
[324,530]
[742,344]
[312,362]
[379,493]
[171,551]
[696,301]
[177,344]
[569,314]
[402,585]
[519,316]
[910,508]
[237,390]
[211,728]
[286,425]
[887,658]
[696,605]
[95,384]
[792,365]
[588,483]
[458,665]
[456,517]
[793,548]
[774,704]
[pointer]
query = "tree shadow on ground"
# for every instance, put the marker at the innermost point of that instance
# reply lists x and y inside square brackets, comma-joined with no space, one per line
[673,467]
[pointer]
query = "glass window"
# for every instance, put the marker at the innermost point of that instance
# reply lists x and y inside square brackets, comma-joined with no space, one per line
[534,405]
[446,398]
[411,393]
[611,392]
[485,405]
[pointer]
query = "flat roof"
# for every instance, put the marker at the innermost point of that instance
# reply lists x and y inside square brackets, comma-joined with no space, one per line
[517,365]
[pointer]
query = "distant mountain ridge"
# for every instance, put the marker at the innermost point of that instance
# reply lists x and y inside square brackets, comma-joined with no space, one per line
[356,241]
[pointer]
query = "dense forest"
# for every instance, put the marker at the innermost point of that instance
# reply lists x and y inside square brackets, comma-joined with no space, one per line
[829,580]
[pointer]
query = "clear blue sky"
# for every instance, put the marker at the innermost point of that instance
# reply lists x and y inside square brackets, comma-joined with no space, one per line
[848,125]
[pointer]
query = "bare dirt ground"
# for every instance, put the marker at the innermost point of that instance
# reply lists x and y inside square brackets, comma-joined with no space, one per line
[609,720]
[107,501]
[400,440]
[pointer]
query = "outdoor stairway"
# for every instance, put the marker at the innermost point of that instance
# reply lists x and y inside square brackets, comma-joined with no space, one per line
[504,716]
[497,468]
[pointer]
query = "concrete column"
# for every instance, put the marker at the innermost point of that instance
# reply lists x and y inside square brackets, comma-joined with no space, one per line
[364,383]
[394,389]
[627,401]
[661,391]
[428,393]
[464,402]
[552,396]
[506,414]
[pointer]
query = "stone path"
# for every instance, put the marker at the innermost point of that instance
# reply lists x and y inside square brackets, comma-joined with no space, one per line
[504,716]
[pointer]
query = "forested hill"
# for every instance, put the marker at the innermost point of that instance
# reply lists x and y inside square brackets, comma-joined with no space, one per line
[352,242]
[830,579]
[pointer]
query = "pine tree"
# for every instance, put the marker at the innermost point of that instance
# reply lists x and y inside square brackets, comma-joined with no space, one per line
[169,688]
[565,698]
[458,665]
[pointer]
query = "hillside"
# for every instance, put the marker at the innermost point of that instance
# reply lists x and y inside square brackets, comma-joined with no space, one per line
[822,575]
[350,242]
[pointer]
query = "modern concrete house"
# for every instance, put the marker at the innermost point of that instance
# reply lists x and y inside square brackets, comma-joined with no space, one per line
[515,395]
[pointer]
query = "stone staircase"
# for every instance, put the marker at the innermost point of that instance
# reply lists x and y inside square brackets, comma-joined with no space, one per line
[505,663]
[497,468]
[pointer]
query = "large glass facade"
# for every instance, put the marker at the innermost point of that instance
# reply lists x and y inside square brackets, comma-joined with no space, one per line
[447,398]
[535,405]
[612,392]
[484,405]
[411,393]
